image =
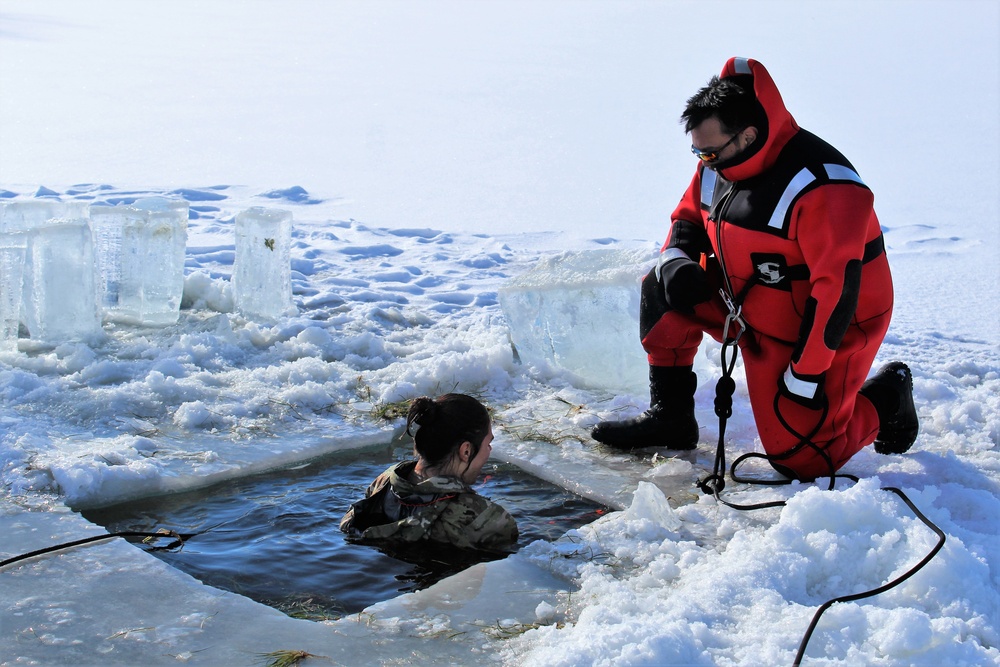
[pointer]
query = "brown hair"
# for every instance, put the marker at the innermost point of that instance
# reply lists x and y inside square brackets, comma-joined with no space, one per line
[444,424]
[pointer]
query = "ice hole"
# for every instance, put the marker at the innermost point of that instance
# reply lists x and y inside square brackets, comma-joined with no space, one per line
[275,537]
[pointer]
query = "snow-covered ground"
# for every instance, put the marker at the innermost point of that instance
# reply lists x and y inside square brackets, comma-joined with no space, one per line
[431,153]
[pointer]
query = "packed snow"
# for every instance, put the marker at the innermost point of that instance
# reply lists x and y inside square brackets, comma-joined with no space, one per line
[451,170]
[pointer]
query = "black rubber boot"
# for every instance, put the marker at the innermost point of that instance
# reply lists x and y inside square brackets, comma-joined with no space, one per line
[891,392]
[670,420]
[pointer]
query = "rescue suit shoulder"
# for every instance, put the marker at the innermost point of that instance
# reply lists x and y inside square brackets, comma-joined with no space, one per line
[764,202]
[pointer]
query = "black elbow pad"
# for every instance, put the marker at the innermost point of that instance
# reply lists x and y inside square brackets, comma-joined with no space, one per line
[843,313]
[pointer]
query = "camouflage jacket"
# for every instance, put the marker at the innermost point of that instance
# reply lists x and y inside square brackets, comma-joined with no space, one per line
[439,509]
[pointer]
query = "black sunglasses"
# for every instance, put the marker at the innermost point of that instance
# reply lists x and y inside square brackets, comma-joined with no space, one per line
[713,154]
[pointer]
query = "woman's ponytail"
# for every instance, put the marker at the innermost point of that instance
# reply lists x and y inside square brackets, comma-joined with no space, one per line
[439,426]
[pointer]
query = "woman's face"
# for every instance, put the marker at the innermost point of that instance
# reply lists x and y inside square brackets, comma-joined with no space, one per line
[471,474]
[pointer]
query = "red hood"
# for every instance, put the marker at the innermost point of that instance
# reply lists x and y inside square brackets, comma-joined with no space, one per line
[780,124]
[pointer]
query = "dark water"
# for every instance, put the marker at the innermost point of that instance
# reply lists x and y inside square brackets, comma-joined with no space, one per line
[276,538]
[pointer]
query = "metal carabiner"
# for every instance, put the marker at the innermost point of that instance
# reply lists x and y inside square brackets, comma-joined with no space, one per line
[735,315]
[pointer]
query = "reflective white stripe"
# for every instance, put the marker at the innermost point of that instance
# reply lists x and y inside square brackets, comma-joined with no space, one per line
[797,185]
[742,65]
[708,180]
[802,388]
[672,253]
[667,255]
[837,172]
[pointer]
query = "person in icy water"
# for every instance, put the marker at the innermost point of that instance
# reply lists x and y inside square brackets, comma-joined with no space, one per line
[429,500]
[778,222]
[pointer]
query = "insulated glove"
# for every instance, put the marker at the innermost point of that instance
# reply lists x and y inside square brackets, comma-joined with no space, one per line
[685,284]
[806,390]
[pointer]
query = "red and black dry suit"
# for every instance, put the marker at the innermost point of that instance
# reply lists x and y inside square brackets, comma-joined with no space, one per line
[790,233]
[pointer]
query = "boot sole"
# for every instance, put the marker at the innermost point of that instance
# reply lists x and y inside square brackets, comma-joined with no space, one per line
[625,443]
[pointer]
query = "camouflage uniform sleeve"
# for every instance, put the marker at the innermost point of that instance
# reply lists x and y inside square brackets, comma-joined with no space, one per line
[417,527]
[347,522]
[377,485]
[473,522]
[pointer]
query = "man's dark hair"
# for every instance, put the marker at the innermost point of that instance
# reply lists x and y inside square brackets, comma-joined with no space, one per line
[732,100]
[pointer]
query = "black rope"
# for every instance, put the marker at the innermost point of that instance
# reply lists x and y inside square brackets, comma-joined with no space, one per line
[884,587]
[178,540]
[715,483]
[724,390]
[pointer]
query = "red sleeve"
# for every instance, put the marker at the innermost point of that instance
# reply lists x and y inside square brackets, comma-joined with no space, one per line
[831,224]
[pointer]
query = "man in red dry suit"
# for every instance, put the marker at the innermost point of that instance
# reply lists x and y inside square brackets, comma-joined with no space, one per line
[779,223]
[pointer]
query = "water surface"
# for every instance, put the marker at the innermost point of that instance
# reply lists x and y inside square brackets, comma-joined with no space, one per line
[276,538]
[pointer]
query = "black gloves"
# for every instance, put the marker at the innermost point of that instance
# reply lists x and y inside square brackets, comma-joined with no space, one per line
[685,284]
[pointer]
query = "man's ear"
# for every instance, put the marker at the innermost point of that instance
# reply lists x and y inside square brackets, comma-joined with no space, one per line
[465,451]
[750,134]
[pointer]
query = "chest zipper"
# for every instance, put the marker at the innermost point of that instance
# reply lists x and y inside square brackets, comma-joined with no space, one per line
[717,219]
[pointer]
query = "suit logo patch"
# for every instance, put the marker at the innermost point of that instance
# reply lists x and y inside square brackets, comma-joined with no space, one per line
[771,270]
[770,273]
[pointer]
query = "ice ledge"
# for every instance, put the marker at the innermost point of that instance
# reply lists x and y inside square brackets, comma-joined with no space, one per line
[113,604]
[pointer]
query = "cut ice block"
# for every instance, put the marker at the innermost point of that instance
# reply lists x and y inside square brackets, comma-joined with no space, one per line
[153,261]
[23,216]
[140,259]
[63,301]
[262,275]
[107,224]
[12,250]
[580,311]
